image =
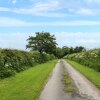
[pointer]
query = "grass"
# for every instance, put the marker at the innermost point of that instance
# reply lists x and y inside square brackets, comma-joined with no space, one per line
[69,89]
[27,84]
[66,79]
[68,83]
[91,74]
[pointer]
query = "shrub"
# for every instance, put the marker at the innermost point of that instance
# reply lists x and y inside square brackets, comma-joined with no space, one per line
[90,58]
[41,58]
[12,61]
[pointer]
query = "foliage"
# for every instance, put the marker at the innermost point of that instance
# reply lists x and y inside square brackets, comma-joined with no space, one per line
[41,58]
[12,61]
[91,74]
[90,58]
[68,83]
[61,52]
[42,42]
[58,53]
[26,85]
[78,49]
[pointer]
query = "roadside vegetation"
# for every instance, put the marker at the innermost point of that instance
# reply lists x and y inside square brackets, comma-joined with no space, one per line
[26,85]
[91,74]
[42,48]
[14,61]
[90,58]
[68,83]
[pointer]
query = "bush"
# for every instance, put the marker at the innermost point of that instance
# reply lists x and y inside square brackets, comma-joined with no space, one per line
[12,61]
[41,58]
[90,58]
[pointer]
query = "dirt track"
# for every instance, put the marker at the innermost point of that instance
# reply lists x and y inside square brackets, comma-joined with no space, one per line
[54,89]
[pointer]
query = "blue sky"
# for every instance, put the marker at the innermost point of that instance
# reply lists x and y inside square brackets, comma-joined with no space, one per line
[73,22]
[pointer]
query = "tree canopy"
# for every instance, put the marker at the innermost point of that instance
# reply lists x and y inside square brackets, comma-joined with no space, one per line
[42,42]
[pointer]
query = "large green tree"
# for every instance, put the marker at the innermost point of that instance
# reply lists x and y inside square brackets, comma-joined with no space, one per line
[42,42]
[79,49]
[59,52]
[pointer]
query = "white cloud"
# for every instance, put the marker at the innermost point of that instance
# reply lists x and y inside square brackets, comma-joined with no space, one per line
[14,40]
[10,22]
[93,1]
[39,9]
[48,9]
[86,11]
[86,39]
[4,9]
[18,40]
[14,1]
[47,6]
[51,8]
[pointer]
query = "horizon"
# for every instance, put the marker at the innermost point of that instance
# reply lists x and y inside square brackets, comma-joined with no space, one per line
[74,23]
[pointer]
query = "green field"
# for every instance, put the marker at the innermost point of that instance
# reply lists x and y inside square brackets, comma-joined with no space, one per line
[27,84]
[91,74]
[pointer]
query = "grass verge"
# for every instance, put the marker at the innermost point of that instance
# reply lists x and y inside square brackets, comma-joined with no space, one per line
[68,83]
[27,84]
[91,74]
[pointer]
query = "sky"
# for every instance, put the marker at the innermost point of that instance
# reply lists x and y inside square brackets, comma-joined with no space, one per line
[73,22]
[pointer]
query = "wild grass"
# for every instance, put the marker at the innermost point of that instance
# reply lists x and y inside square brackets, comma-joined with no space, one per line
[27,84]
[68,83]
[69,89]
[90,73]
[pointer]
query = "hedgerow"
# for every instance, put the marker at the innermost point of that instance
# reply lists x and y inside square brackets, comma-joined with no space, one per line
[90,58]
[12,61]
[41,58]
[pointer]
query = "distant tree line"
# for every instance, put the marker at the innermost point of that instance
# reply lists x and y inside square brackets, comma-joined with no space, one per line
[61,52]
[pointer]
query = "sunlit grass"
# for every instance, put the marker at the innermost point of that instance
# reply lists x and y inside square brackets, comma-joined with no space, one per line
[27,84]
[91,74]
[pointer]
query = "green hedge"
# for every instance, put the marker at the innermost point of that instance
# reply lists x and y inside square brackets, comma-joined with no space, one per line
[90,58]
[41,58]
[12,61]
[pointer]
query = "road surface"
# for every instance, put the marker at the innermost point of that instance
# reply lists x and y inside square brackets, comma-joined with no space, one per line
[54,89]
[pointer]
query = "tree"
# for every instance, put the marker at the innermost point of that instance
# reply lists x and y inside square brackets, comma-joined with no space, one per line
[66,50]
[59,52]
[42,42]
[79,49]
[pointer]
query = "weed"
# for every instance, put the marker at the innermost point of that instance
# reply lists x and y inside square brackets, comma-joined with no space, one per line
[69,89]
[68,83]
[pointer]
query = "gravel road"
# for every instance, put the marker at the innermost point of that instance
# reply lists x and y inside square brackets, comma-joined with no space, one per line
[54,89]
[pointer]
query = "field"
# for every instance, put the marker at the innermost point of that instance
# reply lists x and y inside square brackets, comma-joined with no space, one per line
[27,84]
[91,74]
